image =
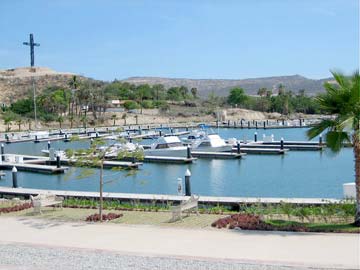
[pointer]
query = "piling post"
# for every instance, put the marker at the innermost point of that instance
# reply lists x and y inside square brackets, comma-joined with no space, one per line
[238,147]
[228,123]
[300,121]
[255,137]
[282,143]
[66,137]
[241,123]
[48,145]
[160,133]
[320,140]
[58,161]
[264,125]
[235,124]
[256,124]
[14,177]
[283,122]
[188,152]
[36,139]
[187,183]
[179,186]
[248,124]
[2,152]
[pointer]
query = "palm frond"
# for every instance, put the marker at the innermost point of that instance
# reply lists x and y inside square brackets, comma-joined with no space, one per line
[336,139]
[320,127]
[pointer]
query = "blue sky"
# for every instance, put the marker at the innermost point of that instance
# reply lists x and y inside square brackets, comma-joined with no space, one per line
[184,39]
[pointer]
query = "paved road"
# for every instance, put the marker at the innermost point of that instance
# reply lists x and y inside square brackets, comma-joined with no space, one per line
[35,243]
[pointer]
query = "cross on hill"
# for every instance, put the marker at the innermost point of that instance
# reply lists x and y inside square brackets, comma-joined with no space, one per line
[32,45]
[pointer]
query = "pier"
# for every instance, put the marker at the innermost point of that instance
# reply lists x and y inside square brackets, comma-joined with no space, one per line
[217,155]
[39,168]
[163,198]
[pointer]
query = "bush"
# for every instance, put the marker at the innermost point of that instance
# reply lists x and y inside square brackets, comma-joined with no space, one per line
[96,217]
[131,105]
[147,104]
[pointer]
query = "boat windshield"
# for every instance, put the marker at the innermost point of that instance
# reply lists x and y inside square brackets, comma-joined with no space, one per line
[168,145]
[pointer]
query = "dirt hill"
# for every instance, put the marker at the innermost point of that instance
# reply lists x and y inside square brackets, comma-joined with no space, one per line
[15,83]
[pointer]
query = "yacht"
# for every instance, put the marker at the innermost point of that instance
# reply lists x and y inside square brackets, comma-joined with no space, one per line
[169,146]
[211,143]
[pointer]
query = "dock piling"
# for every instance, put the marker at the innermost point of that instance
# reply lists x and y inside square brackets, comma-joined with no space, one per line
[255,137]
[188,152]
[282,143]
[2,152]
[187,183]
[58,163]
[320,140]
[48,145]
[238,147]
[14,177]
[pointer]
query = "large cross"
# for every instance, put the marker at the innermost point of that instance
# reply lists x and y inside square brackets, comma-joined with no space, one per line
[32,45]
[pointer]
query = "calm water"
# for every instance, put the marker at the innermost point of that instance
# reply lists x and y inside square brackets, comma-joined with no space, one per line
[297,174]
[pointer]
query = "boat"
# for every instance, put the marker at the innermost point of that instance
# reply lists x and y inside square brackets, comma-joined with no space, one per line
[211,143]
[168,146]
[115,149]
[194,135]
[53,153]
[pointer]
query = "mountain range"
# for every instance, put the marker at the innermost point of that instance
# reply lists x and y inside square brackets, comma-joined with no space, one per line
[17,82]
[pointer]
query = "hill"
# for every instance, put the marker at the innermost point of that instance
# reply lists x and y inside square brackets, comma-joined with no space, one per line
[251,86]
[15,83]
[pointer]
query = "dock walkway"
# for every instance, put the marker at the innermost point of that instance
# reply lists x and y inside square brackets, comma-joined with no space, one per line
[210,200]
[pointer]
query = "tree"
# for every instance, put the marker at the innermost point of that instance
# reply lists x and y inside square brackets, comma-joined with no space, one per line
[60,120]
[124,118]
[95,156]
[194,92]
[19,122]
[237,96]
[262,91]
[114,117]
[343,101]
[71,119]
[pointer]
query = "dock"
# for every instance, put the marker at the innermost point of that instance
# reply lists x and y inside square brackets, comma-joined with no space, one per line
[287,146]
[176,160]
[164,198]
[262,151]
[39,168]
[217,155]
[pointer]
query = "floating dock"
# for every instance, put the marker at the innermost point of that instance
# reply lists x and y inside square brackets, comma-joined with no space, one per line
[261,151]
[163,198]
[217,155]
[39,168]
[176,160]
[287,146]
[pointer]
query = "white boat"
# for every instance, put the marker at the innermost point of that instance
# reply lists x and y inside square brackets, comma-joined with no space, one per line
[169,146]
[211,143]
[61,153]
[194,135]
[115,149]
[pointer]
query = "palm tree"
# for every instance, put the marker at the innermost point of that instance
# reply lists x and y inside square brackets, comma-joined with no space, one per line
[71,119]
[60,119]
[28,121]
[7,122]
[124,118]
[114,118]
[19,122]
[343,101]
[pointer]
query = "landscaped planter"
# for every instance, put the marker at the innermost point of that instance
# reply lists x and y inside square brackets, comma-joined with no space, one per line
[15,208]
[105,217]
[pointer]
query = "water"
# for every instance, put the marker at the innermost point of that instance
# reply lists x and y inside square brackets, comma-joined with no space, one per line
[297,174]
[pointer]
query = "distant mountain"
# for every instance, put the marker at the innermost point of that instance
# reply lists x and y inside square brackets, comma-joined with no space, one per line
[251,86]
[16,83]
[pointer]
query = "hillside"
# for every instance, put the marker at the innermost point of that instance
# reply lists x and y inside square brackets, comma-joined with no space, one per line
[15,83]
[251,86]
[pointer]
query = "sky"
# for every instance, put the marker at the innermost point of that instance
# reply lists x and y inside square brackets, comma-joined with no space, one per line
[213,39]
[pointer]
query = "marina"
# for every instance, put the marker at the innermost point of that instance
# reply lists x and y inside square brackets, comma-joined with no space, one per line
[252,175]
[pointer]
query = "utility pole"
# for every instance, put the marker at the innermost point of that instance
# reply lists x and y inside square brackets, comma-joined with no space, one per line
[32,61]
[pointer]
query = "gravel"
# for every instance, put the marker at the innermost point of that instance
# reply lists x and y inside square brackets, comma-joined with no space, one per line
[28,257]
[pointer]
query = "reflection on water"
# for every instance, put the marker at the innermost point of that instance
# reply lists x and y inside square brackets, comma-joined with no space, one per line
[296,174]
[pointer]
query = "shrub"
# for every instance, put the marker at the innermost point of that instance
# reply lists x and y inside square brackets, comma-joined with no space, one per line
[147,104]
[96,217]
[131,105]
